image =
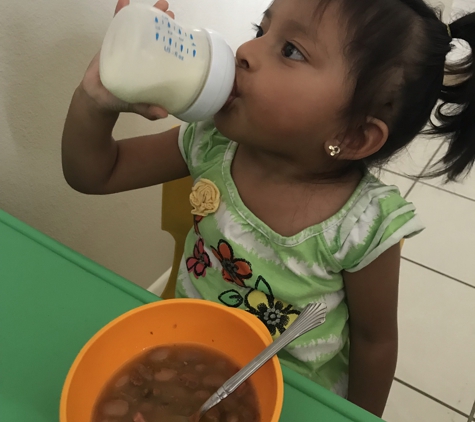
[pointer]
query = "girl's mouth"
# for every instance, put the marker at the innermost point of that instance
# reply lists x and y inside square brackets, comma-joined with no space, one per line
[232,96]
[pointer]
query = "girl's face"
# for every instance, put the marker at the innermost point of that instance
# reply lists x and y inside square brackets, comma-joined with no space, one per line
[291,81]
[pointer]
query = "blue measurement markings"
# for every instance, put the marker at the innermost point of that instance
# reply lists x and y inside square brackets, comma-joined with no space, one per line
[175,36]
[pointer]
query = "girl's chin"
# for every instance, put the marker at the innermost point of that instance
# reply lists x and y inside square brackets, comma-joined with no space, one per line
[227,124]
[225,116]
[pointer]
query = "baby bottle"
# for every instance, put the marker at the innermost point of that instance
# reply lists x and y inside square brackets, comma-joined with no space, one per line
[147,57]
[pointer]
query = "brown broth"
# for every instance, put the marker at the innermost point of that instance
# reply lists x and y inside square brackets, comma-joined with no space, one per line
[174,380]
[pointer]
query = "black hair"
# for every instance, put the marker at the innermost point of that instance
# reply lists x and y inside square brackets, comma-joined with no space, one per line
[397,53]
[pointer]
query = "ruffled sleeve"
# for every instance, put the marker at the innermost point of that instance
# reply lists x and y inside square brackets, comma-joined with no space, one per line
[192,138]
[185,139]
[201,145]
[378,220]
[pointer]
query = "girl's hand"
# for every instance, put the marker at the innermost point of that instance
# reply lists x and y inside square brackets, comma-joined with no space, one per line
[106,101]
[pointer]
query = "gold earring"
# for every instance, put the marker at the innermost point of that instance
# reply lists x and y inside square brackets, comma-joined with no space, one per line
[334,150]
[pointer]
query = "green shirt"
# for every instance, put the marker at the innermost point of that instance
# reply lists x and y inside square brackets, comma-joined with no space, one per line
[232,257]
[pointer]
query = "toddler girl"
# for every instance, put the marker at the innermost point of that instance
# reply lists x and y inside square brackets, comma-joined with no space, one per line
[286,211]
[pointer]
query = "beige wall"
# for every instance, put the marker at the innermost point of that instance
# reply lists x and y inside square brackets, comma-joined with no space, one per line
[44,48]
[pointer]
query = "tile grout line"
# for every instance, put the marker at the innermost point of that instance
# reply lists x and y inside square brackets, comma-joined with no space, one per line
[438,272]
[472,414]
[448,406]
[417,179]
[405,176]
[447,191]
[423,171]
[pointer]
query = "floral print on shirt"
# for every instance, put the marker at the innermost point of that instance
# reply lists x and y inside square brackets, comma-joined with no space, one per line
[235,270]
[198,263]
[260,301]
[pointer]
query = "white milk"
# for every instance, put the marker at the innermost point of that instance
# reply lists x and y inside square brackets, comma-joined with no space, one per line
[147,57]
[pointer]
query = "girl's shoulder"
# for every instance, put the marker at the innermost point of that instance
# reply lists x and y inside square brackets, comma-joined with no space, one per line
[376,218]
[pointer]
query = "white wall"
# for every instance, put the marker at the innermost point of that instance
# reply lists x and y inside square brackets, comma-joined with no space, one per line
[45,47]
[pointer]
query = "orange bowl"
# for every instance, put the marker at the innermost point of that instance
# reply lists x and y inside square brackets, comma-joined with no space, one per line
[233,332]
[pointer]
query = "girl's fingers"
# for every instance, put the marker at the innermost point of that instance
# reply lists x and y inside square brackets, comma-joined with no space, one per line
[163,6]
[120,5]
[149,111]
[157,112]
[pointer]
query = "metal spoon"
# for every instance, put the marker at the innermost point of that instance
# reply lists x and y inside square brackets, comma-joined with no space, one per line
[311,317]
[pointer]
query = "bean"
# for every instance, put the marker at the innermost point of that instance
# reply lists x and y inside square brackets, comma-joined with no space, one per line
[166,399]
[230,404]
[165,374]
[179,394]
[122,381]
[190,380]
[241,390]
[232,417]
[136,379]
[202,395]
[159,355]
[221,365]
[115,408]
[139,417]
[146,393]
[128,397]
[185,410]
[146,407]
[213,380]
[166,415]
[212,415]
[248,414]
[145,371]
[200,367]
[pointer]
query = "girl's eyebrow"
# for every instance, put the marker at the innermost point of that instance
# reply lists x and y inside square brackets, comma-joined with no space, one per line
[290,24]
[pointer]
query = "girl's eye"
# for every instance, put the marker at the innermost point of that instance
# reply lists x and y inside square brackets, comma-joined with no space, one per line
[259,30]
[292,52]
[289,51]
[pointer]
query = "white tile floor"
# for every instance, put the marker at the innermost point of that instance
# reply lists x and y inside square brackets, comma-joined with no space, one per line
[435,376]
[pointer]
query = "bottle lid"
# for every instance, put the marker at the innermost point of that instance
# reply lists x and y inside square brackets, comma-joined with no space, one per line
[219,82]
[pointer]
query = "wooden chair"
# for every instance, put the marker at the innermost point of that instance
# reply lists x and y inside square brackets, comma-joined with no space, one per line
[177,220]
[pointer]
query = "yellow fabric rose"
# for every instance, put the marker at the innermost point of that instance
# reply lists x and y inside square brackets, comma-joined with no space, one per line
[204,197]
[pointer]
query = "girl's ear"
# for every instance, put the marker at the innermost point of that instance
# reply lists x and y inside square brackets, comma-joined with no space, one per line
[361,142]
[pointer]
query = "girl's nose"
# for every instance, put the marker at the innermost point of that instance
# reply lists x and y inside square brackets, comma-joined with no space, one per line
[246,57]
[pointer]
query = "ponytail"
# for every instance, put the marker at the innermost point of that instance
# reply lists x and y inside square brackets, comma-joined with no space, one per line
[455,115]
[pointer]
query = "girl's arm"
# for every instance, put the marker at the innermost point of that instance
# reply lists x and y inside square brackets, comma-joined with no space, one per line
[93,162]
[372,295]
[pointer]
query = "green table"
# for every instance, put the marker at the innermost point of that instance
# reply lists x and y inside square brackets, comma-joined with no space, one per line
[52,300]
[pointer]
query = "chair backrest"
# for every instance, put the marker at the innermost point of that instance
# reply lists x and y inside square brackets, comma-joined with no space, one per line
[176,220]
